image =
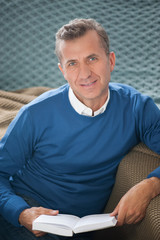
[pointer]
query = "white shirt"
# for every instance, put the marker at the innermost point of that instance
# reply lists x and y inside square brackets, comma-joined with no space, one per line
[83,109]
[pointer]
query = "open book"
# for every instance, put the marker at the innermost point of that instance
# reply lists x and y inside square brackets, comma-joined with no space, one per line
[66,225]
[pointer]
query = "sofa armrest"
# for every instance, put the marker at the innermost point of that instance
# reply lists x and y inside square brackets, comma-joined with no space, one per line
[135,167]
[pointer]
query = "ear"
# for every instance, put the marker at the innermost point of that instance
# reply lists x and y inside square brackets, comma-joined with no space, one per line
[112,60]
[60,68]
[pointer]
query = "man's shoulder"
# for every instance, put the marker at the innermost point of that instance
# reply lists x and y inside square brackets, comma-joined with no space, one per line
[50,96]
[122,88]
[124,91]
[43,106]
[128,95]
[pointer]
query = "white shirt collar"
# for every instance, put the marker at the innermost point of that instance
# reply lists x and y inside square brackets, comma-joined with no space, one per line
[83,109]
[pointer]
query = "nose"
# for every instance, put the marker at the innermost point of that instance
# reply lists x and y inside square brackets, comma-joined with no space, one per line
[84,71]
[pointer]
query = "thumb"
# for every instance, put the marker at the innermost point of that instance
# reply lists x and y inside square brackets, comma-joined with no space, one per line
[51,212]
[115,212]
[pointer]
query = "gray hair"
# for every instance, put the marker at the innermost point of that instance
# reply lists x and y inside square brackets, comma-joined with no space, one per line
[77,28]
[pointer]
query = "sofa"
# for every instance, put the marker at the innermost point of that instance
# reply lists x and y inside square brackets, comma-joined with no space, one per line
[135,166]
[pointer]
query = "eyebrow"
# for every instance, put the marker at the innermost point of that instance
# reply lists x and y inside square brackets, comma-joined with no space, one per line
[71,60]
[92,55]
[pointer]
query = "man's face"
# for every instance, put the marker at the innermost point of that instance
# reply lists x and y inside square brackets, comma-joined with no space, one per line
[87,68]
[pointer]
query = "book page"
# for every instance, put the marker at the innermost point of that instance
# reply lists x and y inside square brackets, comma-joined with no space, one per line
[61,220]
[95,222]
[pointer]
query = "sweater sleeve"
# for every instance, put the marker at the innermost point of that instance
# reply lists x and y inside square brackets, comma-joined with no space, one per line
[155,173]
[148,120]
[15,148]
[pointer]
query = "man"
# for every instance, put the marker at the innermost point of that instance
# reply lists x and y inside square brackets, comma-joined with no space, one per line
[62,150]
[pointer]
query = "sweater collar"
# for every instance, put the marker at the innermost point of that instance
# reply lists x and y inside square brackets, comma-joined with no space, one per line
[83,109]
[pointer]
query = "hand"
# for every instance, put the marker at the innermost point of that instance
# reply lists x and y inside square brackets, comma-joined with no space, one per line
[132,206]
[28,215]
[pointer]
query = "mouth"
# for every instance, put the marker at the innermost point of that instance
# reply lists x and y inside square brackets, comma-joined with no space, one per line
[88,84]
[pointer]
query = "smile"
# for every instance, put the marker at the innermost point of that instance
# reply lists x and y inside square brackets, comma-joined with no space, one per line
[88,84]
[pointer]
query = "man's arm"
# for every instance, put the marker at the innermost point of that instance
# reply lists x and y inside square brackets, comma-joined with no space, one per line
[132,206]
[15,146]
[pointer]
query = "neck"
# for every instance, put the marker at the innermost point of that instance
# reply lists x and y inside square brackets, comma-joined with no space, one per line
[95,104]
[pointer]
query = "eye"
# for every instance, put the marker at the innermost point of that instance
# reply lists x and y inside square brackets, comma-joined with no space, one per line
[92,59]
[71,64]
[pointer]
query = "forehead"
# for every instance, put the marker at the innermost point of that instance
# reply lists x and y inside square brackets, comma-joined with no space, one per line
[81,47]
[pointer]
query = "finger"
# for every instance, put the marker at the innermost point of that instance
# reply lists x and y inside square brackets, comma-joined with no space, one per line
[138,219]
[38,233]
[46,211]
[115,212]
[134,217]
[121,217]
[51,212]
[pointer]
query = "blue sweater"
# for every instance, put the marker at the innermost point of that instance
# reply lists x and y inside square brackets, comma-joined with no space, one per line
[67,161]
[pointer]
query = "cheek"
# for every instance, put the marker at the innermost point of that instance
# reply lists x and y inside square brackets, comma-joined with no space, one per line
[71,76]
[105,70]
[100,68]
[101,71]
